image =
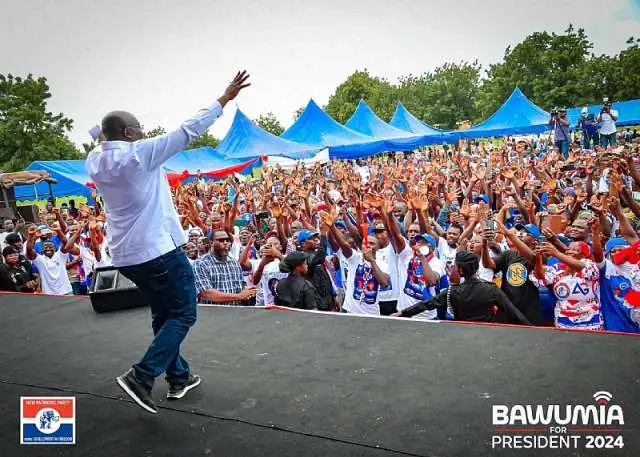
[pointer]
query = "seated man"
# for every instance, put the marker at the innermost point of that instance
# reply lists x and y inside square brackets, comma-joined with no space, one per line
[295,291]
[218,276]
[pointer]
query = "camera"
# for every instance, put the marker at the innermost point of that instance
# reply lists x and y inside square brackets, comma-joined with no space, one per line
[554,111]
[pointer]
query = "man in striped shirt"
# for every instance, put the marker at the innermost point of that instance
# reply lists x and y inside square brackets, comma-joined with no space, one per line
[219,278]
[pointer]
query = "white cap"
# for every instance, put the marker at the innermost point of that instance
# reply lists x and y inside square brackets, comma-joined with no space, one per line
[585,110]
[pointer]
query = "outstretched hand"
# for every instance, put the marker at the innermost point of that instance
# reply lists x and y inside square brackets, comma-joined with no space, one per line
[238,83]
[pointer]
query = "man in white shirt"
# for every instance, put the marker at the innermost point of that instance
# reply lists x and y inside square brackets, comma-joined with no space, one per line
[145,238]
[607,119]
[51,264]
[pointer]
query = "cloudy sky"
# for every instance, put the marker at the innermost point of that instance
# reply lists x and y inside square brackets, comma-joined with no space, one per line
[164,59]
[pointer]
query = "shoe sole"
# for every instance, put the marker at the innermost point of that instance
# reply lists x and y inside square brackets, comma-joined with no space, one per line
[123,386]
[184,392]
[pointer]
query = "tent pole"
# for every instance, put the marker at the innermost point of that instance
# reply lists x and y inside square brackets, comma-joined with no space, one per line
[51,194]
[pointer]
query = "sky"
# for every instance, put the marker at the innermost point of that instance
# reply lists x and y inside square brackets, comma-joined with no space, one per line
[164,59]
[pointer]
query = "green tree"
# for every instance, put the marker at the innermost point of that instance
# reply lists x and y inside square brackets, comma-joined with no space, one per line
[29,132]
[156,131]
[270,123]
[297,113]
[204,140]
[379,94]
[548,68]
[442,97]
[625,73]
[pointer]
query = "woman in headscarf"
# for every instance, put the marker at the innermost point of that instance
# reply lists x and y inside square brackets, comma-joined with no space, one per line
[574,280]
[295,291]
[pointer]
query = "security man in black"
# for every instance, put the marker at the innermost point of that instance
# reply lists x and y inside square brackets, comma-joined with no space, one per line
[473,300]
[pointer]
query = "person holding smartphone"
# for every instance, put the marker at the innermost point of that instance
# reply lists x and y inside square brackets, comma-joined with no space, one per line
[607,120]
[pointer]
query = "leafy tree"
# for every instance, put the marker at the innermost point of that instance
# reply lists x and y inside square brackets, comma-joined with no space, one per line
[29,132]
[625,73]
[156,131]
[88,147]
[377,92]
[297,113]
[270,123]
[442,97]
[548,68]
[203,141]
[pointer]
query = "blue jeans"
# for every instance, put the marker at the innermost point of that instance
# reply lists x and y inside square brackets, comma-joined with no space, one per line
[607,140]
[168,284]
[563,145]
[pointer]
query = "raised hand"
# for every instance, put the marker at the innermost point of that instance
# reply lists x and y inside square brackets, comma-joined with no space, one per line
[232,91]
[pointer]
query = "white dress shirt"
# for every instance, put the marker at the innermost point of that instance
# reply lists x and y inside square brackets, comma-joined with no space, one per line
[143,222]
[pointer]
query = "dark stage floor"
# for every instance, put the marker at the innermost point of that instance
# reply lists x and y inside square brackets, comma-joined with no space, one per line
[300,384]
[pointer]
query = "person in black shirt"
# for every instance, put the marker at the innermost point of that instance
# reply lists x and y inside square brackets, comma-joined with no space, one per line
[295,291]
[314,245]
[516,265]
[16,275]
[473,300]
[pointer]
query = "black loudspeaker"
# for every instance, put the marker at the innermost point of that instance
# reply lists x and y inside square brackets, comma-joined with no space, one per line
[112,291]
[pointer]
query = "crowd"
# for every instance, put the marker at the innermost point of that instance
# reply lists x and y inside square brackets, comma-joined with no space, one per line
[524,232]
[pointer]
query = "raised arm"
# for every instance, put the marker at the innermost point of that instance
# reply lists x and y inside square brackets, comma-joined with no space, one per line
[157,150]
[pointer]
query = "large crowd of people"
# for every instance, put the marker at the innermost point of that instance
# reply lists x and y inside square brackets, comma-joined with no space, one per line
[526,232]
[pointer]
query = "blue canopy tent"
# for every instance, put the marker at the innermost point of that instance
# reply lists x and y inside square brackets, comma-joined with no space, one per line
[628,112]
[245,140]
[314,126]
[365,121]
[70,174]
[402,119]
[517,116]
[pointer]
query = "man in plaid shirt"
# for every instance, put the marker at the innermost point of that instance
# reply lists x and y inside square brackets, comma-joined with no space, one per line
[219,278]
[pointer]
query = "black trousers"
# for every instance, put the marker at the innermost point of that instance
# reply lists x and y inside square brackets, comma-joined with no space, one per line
[387,308]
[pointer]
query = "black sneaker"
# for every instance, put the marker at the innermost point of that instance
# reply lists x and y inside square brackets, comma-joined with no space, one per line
[136,390]
[178,391]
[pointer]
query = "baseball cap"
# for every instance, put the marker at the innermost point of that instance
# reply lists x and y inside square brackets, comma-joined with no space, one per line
[379,227]
[530,229]
[220,235]
[12,238]
[426,237]
[481,197]
[304,235]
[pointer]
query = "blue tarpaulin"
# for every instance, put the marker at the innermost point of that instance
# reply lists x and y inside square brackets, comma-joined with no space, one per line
[628,112]
[517,116]
[245,140]
[365,121]
[314,126]
[72,177]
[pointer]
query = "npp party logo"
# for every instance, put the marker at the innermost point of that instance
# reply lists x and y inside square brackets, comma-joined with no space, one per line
[47,420]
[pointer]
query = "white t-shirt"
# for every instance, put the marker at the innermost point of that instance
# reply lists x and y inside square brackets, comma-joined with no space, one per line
[485,273]
[446,253]
[388,256]
[105,258]
[414,288]
[271,274]
[53,274]
[88,259]
[361,293]
[607,124]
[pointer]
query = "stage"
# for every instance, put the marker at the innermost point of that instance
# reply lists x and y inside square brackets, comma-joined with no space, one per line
[302,384]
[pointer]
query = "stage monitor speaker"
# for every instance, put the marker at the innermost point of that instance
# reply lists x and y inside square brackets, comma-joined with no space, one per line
[112,291]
